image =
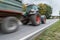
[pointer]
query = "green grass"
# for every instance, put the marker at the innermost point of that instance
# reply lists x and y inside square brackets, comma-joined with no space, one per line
[53,33]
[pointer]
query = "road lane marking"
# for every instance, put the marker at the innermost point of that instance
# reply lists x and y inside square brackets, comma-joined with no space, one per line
[24,38]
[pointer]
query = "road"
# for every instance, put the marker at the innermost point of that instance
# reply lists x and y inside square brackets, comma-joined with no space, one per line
[26,31]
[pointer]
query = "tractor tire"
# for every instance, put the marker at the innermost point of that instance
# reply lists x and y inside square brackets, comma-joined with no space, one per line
[9,25]
[43,19]
[35,19]
[25,22]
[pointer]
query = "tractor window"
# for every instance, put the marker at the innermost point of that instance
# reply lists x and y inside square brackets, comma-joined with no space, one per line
[28,8]
[35,7]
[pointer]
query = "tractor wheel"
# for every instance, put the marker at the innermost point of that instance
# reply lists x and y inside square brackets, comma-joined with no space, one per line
[25,22]
[43,19]
[35,19]
[9,25]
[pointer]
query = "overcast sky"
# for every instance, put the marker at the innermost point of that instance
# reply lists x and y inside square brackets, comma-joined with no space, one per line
[54,3]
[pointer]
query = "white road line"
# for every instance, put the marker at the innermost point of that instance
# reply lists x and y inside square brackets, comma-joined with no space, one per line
[36,31]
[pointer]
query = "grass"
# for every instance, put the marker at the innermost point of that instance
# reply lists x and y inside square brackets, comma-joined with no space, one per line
[53,33]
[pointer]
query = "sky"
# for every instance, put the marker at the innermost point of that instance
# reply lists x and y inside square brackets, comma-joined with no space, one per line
[53,3]
[56,7]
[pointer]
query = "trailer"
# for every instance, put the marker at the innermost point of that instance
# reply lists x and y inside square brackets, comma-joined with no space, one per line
[11,13]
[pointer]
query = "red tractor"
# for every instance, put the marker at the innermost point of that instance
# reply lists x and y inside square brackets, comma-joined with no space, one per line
[11,12]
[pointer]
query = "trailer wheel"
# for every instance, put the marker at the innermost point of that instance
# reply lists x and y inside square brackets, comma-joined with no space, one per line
[35,19]
[9,25]
[43,19]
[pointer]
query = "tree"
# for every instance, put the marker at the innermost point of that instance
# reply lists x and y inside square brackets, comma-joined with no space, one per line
[45,9]
[24,7]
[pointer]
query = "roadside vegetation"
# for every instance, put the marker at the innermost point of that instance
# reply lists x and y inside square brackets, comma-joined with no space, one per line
[52,33]
[45,9]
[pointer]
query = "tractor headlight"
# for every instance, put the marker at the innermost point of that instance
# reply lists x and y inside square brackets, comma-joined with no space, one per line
[32,10]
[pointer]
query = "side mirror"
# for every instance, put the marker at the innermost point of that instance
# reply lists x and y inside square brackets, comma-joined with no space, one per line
[19,1]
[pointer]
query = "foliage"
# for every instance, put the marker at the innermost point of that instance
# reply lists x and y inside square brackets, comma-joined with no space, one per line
[24,7]
[45,9]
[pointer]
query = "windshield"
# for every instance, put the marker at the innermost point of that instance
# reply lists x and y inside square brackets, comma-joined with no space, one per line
[31,7]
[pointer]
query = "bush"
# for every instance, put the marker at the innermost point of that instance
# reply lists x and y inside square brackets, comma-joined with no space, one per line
[45,9]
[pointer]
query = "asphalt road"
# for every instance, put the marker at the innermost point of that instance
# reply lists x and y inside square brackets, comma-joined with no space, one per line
[24,30]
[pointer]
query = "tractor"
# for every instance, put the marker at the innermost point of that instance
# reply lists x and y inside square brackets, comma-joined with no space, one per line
[11,12]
